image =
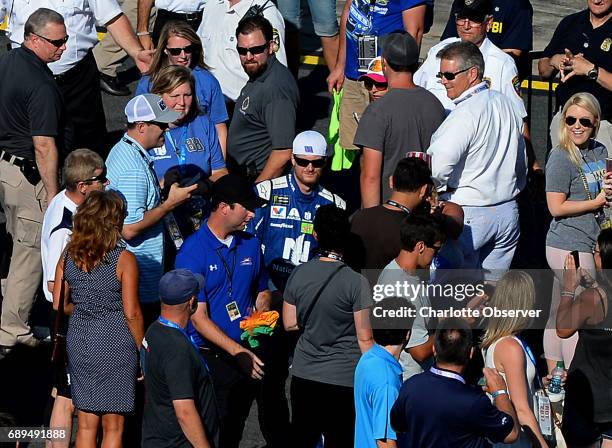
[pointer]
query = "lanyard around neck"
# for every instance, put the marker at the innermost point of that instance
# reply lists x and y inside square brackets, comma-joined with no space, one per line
[445,374]
[169,323]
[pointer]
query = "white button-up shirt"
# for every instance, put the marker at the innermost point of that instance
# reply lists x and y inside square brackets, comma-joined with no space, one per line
[218,34]
[479,150]
[180,5]
[500,72]
[80,17]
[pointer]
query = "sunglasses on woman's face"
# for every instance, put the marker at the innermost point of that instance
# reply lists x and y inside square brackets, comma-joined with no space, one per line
[369,84]
[585,122]
[178,50]
[316,163]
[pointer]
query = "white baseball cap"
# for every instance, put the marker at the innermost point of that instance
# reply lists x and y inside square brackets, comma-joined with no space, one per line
[149,107]
[310,143]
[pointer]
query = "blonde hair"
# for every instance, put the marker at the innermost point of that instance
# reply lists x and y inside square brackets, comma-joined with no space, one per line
[81,165]
[176,28]
[515,291]
[587,102]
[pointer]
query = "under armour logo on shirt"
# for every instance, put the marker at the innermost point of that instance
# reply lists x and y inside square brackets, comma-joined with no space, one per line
[212,267]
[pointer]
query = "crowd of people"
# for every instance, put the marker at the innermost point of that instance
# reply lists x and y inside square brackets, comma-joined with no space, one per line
[199,263]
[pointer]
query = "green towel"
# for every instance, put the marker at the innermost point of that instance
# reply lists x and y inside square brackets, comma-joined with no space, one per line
[252,338]
[343,159]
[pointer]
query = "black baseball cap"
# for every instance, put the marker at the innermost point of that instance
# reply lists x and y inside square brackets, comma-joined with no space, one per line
[400,48]
[476,10]
[179,285]
[233,189]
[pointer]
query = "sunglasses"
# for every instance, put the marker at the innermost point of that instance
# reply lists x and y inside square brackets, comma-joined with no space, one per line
[450,76]
[316,163]
[55,42]
[369,84]
[100,178]
[177,51]
[571,121]
[257,49]
[436,249]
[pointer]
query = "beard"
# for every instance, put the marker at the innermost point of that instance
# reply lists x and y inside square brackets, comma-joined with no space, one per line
[254,69]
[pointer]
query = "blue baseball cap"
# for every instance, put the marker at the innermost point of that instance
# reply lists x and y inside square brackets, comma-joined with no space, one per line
[179,285]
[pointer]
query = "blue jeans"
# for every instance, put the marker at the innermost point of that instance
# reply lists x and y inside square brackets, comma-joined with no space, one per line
[489,238]
[323,14]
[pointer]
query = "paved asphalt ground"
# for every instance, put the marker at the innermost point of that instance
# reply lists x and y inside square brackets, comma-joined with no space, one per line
[24,376]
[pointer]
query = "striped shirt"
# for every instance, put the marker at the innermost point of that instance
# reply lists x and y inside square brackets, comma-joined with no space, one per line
[131,174]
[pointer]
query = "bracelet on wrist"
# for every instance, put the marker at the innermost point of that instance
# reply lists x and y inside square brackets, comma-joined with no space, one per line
[499,392]
[142,33]
[567,293]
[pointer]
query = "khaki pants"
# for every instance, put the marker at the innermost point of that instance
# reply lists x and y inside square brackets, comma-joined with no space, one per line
[354,101]
[604,136]
[109,55]
[24,206]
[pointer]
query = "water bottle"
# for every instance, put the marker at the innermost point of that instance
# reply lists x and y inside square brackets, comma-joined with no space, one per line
[557,375]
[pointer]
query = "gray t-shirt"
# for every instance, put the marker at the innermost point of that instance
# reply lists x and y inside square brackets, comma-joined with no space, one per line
[264,117]
[562,176]
[391,274]
[327,351]
[401,121]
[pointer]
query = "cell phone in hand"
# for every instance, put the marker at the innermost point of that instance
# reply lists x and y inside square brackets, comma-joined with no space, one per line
[576,258]
[608,165]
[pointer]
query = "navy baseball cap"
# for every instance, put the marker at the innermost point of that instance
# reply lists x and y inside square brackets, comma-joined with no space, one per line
[232,189]
[179,285]
[476,10]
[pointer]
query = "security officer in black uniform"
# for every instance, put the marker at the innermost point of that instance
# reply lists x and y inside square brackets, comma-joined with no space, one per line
[32,120]
[588,32]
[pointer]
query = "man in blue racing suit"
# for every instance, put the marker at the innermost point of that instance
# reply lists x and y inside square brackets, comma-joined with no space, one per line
[285,226]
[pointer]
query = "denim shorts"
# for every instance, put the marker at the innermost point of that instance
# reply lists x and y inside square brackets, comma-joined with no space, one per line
[323,14]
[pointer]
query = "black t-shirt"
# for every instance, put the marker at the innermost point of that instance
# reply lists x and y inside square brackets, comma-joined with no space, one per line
[512,24]
[576,33]
[264,117]
[174,370]
[381,242]
[31,103]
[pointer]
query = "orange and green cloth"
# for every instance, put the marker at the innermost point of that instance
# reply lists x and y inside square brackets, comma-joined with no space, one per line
[258,324]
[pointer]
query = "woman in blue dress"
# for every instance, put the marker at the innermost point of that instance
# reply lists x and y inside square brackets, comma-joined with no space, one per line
[180,45]
[191,152]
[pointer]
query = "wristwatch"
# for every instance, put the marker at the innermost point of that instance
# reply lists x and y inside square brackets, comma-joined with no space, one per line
[593,73]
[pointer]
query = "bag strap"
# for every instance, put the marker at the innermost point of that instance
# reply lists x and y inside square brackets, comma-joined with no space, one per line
[318,294]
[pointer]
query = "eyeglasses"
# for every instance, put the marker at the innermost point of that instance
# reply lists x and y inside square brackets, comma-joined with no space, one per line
[316,163]
[462,21]
[257,49]
[450,76]
[99,178]
[369,84]
[178,50]
[571,121]
[55,42]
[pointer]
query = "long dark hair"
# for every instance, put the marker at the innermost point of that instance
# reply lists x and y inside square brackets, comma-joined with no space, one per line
[96,229]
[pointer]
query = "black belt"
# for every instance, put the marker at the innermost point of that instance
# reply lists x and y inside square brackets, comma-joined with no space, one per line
[186,16]
[75,72]
[13,160]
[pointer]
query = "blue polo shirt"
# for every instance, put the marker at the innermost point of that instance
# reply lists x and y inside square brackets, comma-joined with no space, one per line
[230,298]
[194,147]
[378,378]
[208,91]
[434,410]
[130,171]
[376,18]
